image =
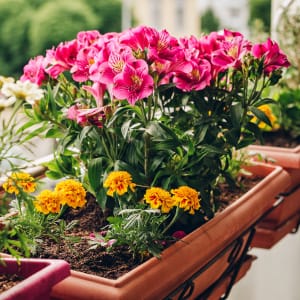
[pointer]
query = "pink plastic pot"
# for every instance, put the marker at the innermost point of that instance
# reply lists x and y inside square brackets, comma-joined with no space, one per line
[40,275]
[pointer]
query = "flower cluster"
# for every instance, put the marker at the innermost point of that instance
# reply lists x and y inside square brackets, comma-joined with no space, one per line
[20,181]
[11,91]
[68,192]
[184,197]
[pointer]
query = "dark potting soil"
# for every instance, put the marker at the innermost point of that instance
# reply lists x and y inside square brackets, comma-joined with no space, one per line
[7,281]
[280,139]
[99,261]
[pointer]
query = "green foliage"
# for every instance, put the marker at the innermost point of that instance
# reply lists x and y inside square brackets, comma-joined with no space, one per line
[261,9]
[13,35]
[140,229]
[28,27]
[110,14]
[289,101]
[59,20]
[209,21]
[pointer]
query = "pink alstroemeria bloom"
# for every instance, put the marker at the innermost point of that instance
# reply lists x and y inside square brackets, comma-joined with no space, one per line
[73,113]
[231,52]
[34,71]
[116,63]
[274,58]
[97,90]
[61,58]
[197,79]
[87,38]
[85,58]
[137,38]
[133,83]
[86,116]
[163,46]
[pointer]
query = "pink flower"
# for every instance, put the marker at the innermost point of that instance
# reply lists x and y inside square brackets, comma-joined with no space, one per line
[134,83]
[34,71]
[137,38]
[87,38]
[87,116]
[80,69]
[97,90]
[231,51]
[273,57]
[115,64]
[179,234]
[197,79]
[62,58]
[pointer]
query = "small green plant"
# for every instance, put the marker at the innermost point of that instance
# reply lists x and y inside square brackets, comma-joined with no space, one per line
[142,230]
[38,216]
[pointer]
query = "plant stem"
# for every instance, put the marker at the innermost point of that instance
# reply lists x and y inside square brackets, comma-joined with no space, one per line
[173,220]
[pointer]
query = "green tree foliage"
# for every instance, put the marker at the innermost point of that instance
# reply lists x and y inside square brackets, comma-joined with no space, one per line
[58,21]
[209,22]
[13,34]
[29,27]
[260,9]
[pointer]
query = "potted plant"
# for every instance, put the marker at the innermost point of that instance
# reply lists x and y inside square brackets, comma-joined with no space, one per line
[36,277]
[282,146]
[148,125]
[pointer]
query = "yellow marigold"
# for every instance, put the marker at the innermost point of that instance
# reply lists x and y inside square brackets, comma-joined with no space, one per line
[18,181]
[47,202]
[119,182]
[266,109]
[71,192]
[159,198]
[187,198]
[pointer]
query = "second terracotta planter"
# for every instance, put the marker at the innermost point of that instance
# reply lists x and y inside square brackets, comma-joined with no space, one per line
[283,219]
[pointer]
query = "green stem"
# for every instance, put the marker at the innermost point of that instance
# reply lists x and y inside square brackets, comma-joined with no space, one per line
[174,219]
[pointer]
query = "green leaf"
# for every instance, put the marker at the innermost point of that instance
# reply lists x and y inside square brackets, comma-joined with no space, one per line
[260,115]
[96,168]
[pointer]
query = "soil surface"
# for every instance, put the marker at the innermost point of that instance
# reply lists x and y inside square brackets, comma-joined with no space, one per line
[280,139]
[7,281]
[98,261]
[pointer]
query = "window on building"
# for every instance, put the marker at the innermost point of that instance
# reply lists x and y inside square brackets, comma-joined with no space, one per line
[155,11]
[179,14]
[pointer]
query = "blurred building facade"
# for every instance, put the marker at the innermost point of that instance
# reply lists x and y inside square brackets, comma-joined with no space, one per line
[233,14]
[179,17]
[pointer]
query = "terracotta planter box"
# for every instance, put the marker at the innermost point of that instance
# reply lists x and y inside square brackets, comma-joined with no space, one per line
[221,289]
[289,159]
[40,275]
[197,261]
[286,210]
[266,238]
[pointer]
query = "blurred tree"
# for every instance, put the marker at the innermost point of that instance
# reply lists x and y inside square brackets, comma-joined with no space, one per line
[57,21]
[29,27]
[13,35]
[110,13]
[209,21]
[261,9]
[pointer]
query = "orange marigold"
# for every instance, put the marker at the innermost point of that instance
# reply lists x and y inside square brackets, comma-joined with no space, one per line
[47,202]
[266,109]
[71,192]
[187,198]
[119,182]
[19,181]
[159,198]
